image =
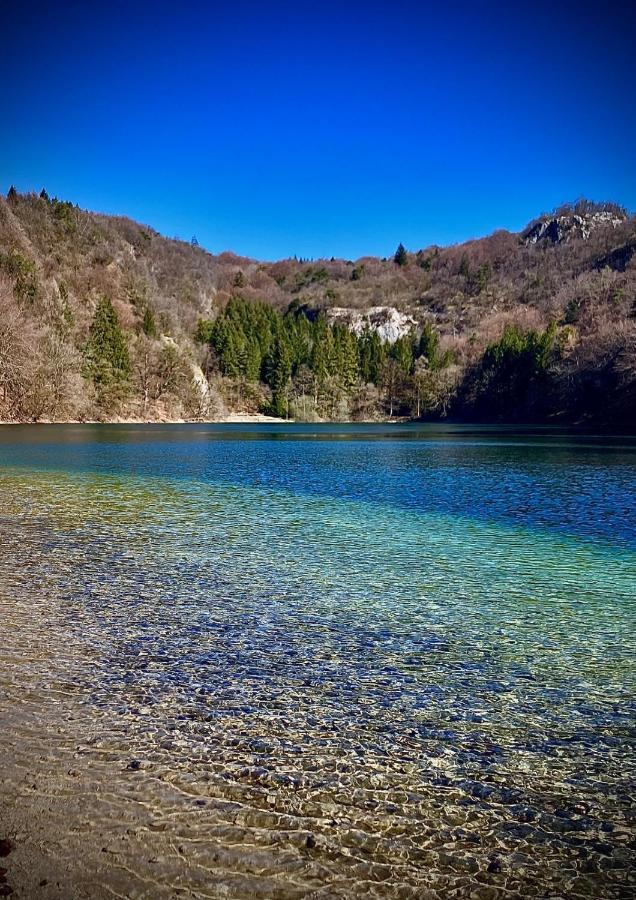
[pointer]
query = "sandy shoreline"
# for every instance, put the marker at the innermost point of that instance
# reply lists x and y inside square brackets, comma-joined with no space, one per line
[45,783]
[232,418]
[82,817]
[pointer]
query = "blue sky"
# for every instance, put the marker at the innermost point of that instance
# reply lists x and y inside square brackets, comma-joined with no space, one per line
[320,129]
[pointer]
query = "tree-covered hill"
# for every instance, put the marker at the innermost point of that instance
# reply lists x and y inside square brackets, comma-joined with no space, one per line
[103,318]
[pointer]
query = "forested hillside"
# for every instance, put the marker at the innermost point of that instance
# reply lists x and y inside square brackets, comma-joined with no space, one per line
[103,318]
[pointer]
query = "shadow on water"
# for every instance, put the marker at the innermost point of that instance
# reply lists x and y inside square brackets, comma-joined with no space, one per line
[382,662]
[574,482]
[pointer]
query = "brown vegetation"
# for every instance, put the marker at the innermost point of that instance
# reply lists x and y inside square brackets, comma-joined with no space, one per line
[57,263]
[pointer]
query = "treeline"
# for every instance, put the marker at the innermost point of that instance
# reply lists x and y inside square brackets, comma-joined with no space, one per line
[103,318]
[515,378]
[298,365]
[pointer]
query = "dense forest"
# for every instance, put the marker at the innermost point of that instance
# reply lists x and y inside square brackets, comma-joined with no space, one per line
[104,319]
[312,367]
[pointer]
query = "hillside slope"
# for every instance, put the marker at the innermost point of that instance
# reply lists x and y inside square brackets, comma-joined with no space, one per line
[103,318]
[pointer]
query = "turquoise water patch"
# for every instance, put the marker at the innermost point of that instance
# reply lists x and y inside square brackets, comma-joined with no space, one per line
[429,645]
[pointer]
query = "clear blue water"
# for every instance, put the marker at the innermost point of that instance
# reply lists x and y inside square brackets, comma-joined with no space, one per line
[415,644]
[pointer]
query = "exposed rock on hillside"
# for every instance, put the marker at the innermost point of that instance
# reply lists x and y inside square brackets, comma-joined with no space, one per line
[103,318]
[560,229]
[386,321]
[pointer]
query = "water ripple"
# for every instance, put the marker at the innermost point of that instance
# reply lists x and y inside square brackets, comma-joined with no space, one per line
[332,691]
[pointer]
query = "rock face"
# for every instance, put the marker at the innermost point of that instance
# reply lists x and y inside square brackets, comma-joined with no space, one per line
[563,228]
[389,323]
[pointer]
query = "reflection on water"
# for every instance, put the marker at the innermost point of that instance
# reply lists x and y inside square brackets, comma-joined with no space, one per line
[340,667]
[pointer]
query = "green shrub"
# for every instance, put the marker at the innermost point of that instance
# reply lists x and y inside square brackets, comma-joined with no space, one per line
[203,331]
[149,324]
[24,273]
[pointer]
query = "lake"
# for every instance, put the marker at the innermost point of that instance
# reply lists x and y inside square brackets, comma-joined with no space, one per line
[289,661]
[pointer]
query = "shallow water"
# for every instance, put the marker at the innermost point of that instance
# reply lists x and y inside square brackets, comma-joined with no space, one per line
[333,661]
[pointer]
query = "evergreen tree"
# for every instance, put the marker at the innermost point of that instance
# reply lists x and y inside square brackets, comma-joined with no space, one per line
[400,257]
[233,357]
[106,352]
[402,352]
[203,332]
[279,366]
[148,324]
[279,370]
[429,350]
[428,346]
[24,271]
[222,342]
[515,372]
[319,364]
[346,356]
[299,331]
[253,360]
[372,354]
[484,274]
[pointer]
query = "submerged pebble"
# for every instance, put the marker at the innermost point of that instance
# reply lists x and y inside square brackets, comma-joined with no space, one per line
[420,683]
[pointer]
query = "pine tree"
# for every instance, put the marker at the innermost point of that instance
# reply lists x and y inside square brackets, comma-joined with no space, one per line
[279,371]
[233,356]
[253,360]
[402,352]
[400,258]
[221,341]
[372,355]
[279,366]
[318,360]
[428,346]
[106,352]
[346,354]
[148,324]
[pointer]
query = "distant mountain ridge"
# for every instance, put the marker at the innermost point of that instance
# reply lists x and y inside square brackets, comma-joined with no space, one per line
[204,334]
